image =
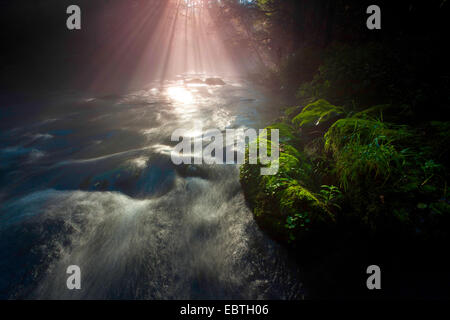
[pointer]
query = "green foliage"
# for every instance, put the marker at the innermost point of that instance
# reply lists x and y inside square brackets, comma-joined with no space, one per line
[389,176]
[291,111]
[290,169]
[316,113]
[286,132]
[358,161]
[441,207]
[282,196]
[330,195]
[289,149]
[304,211]
[364,131]
[429,168]
[388,159]
[364,149]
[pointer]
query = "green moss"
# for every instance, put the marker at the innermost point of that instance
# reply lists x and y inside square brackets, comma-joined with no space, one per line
[316,113]
[363,149]
[296,199]
[290,168]
[364,131]
[365,161]
[267,195]
[286,132]
[305,213]
[384,170]
[342,131]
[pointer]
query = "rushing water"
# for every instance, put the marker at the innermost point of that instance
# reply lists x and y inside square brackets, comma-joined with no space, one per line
[88,181]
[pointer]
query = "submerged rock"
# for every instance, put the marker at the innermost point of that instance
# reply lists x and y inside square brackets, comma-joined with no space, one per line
[214,82]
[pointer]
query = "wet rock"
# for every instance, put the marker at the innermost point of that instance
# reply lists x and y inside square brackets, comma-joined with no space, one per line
[214,82]
[285,204]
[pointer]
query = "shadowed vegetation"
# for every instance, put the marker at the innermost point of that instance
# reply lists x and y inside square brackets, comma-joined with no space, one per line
[370,134]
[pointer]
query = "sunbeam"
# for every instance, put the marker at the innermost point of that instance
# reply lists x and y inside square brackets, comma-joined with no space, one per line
[164,39]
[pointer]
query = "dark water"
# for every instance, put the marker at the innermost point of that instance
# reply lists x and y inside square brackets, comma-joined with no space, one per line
[89,181]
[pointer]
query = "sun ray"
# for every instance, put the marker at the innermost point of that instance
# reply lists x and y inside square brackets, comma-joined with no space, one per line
[162,40]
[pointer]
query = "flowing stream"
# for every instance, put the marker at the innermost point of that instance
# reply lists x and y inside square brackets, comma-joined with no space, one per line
[89,181]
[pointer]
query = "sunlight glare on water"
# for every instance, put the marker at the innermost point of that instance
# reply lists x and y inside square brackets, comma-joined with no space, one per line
[180,95]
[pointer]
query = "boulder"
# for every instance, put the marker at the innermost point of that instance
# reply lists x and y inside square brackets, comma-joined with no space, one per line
[282,204]
[214,82]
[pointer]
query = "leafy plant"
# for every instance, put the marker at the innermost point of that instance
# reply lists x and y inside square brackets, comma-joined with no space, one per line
[330,195]
[316,113]
[429,168]
[299,219]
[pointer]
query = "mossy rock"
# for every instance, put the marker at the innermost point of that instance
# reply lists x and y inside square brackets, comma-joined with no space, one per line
[318,113]
[297,198]
[263,192]
[292,212]
[289,168]
[292,165]
[214,82]
[276,198]
[305,213]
